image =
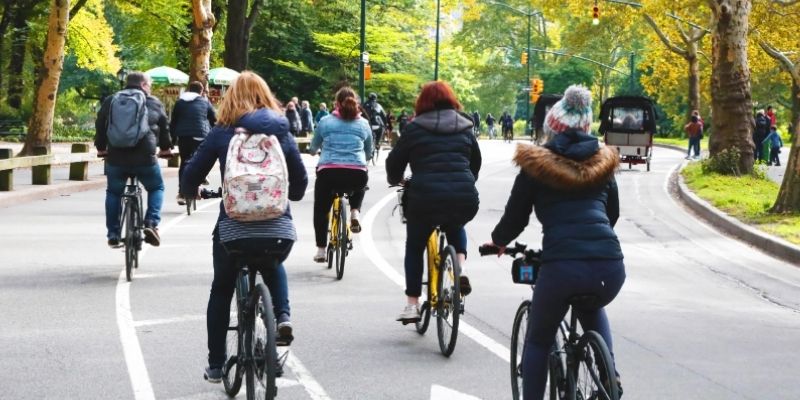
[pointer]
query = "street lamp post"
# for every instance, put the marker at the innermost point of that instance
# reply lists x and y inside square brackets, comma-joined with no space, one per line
[436,61]
[363,49]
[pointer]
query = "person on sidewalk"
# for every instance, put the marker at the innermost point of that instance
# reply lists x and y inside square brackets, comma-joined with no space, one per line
[775,144]
[128,127]
[760,133]
[694,129]
[192,119]
[306,118]
[321,113]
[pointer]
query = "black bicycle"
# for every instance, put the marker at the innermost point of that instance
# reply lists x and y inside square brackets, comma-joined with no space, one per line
[132,223]
[580,366]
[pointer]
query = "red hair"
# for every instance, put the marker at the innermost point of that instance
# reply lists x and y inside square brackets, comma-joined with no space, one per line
[436,95]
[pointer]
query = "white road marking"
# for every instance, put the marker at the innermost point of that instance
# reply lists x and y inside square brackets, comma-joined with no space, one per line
[368,246]
[441,392]
[161,321]
[312,387]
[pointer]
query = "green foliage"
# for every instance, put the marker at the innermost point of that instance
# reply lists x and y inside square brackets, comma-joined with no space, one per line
[726,162]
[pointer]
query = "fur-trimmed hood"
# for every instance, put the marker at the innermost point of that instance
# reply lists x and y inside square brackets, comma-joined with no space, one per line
[565,173]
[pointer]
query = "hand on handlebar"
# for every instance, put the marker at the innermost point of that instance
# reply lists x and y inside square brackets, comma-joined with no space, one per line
[491,248]
[102,153]
[167,153]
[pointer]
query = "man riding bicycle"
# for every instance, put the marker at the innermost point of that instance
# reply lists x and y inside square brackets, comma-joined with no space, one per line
[376,117]
[129,125]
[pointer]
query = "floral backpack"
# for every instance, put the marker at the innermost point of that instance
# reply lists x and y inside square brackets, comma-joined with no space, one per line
[256,184]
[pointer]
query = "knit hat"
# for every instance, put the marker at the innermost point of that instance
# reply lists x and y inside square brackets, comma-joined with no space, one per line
[573,111]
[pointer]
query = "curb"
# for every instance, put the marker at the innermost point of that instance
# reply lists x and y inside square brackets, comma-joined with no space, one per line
[767,243]
[13,198]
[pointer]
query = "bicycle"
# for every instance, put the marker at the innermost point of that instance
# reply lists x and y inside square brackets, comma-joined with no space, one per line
[132,221]
[443,290]
[580,366]
[376,143]
[339,242]
[191,204]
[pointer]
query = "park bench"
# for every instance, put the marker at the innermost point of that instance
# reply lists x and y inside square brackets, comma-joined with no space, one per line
[12,127]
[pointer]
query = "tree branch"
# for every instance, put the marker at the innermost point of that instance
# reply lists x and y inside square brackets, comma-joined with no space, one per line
[153,14]
[77,7]
[784,61]
[251,18]
[84,96]
[786,2]
[675,49]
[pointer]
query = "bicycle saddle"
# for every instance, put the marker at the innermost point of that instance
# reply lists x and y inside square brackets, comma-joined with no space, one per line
[585,301]
[266,258]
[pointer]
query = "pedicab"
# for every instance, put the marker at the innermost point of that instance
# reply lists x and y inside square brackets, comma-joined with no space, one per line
[628,123]
[540,110]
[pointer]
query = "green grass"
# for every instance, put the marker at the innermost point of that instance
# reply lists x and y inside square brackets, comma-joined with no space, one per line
[680,142]
[746,198]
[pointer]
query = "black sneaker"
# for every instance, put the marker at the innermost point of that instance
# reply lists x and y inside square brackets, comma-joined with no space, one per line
[213,375]
[151,236]
[114,243]
[285,336]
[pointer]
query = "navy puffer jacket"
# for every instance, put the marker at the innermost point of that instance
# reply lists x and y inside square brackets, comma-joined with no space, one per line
[445,159]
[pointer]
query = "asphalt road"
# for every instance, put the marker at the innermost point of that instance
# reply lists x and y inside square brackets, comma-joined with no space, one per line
[701,316]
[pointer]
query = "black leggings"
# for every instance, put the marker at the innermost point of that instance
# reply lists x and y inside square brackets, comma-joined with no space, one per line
[332,180]
[186,146]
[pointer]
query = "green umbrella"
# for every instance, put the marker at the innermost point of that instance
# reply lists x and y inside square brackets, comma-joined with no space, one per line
[222,76]
[167,76]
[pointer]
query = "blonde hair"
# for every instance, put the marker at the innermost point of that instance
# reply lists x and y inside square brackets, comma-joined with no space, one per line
[249,92]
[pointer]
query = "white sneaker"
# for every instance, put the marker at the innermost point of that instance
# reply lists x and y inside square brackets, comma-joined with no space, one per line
[321,256]
[410,314]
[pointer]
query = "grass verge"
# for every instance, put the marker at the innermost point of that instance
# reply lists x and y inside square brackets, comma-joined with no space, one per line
[680,142]
[746,198]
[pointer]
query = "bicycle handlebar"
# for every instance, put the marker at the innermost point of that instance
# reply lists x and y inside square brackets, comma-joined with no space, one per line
[512,251]
[210,194]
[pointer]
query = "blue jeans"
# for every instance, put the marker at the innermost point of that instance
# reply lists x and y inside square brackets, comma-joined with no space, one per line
[557,282]
[417,234]
[150,177]
[694,143]
[224,285]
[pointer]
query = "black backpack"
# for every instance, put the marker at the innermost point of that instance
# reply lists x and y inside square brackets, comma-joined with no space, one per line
[375,119]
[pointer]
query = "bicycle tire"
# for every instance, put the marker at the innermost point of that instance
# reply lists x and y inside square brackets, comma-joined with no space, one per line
[261,371]
[448,303]
[131,254]
[593,372]
[424,318]
[189,206]
[518,331]
[332,234]
[233,381]
[342,240]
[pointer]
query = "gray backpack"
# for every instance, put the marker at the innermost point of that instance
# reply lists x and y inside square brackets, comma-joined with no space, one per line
[127,119]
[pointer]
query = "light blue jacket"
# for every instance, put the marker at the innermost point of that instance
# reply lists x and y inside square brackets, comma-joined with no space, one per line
[774,139]
[342,142]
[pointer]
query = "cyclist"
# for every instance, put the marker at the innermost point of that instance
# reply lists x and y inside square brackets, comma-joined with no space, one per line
[250,104]
[490,125]
[570,185]
[345,140]
[444,156]
[191,120]
[376,117]
[139,160]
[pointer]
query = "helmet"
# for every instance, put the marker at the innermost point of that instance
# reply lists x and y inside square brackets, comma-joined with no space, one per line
[373,96]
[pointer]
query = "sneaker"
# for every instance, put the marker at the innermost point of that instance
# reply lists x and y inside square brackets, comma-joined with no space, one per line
[410,314]
[213,375]
[355,227]
[321,256]
[466,288]
[151,236]
[180,199]
[205,182]
[285,336]
[114,243]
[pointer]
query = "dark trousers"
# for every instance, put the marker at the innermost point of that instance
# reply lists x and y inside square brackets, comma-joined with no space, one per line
[330,181]
[694,143]
[557,282]
[417,234]
[224,285]
[150,177]
[773,156]
[186,147]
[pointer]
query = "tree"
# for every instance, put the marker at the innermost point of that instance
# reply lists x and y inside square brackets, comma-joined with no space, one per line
[237,35]
[200,47]
[40,128]
[731,104]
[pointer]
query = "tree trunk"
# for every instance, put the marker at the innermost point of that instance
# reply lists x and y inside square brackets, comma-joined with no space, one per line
[4,22]
[200,47]
[237,35]
[40,128]
[731,102]
[694,79]
[789,194]
[19,41]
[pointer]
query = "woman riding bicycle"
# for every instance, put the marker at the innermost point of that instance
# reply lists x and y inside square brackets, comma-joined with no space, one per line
[570,185]
[445,159]
[250,104]
[345,139]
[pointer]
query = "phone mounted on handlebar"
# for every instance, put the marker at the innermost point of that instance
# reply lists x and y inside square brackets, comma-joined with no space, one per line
[525,268]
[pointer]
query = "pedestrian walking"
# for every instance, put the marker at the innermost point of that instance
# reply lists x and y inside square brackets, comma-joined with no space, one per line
[476,119]
[694,129]
[306,118]
[759,134]
[321,113]
[490,125]
[775,143]
[193,116]
[295,125]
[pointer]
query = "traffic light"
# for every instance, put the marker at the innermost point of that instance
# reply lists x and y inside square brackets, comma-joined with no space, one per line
[367,72]
[595,14]
[537,86]
[524,60]
[534,97]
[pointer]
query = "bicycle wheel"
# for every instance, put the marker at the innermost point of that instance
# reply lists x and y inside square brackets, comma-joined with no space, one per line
[424,318]
[131,217]
[448,303]
[233,371]
[261,371]
[342,240]
[518,331]
[557,364]
[593,374]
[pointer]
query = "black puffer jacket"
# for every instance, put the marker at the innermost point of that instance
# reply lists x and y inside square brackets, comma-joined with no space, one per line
[570,184]
[445,159]
[192,116]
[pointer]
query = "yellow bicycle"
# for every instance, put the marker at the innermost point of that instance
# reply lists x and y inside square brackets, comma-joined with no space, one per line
[443,293]
[339,242]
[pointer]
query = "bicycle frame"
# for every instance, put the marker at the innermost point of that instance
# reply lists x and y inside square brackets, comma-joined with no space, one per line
[333,221]
[434,249]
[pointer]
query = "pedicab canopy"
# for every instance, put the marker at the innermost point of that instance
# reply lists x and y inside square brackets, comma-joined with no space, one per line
[628,114]
[168,84]
[543,105]
[218,81]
